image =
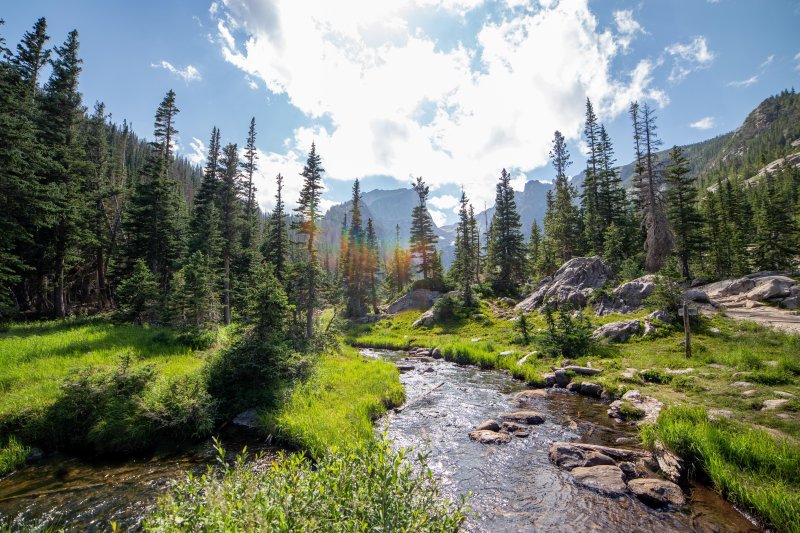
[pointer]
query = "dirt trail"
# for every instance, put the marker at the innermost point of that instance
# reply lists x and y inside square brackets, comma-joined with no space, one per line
[768,316]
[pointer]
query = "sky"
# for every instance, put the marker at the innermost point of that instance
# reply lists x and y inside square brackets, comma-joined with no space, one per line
[450,90]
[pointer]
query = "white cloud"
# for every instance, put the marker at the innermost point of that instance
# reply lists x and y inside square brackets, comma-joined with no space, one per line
[688,57]
[198,153]
[797,58]
[767,62]
[439,218]
[187,74]
[705,123]
[369,71]
[627,27]
[251,82]
[446,201]
[744,83]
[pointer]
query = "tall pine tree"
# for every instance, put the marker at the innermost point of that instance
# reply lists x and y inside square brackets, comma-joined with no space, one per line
[682,210]
[506,243]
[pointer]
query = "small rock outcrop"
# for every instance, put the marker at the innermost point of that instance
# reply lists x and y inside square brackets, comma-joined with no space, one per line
[628,297]
[670,464]
[247,419]
[416,299]
[485,436]
[524,417]
[567,456]
[427,319]
[607,479]
[617,331]
[755,289]
[490,425]
[572,284]
[657,492]
[528,395]
[647,405]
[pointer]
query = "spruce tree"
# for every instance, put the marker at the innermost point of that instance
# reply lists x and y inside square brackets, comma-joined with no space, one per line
[230,219]
[506,243]
[590,197]
[612,200]
[247,258]
[32,55]
[155,224]
[775,245]
[353,272]
[204,225]
[682,210]
[276,245]
[648,180]
[100,189]
[308,210]
[476,244]
[462,270]
[373,266]
[535,248]
[423,239]
[563,226]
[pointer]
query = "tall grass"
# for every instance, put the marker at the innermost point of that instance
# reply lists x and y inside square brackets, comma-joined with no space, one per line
[12,455]
[747,465]
[335,408]
[367,487]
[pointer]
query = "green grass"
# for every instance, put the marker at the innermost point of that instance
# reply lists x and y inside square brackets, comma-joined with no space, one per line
[366,487]
[35,357]
[12,455]
[335,408]
[748,466]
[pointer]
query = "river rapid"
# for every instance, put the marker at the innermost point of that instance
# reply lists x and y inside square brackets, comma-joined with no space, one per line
[514,486]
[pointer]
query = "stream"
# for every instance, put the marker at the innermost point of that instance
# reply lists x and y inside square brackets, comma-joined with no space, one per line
[513,487]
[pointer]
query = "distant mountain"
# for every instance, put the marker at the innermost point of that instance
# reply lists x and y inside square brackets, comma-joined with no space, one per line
[770,132]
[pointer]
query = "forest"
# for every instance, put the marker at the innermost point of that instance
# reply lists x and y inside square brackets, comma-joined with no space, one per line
[147,303]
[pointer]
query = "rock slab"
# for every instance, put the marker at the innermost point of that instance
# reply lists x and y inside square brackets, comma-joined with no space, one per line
[657,492]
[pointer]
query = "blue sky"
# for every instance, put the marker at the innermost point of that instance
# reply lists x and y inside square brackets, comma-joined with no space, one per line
[452,90]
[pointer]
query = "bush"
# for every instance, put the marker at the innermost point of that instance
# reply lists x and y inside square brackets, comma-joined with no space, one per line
[653,375]
[568,334]
[138,295]
[124,409]
[666,296]
[447,307]
[366,488]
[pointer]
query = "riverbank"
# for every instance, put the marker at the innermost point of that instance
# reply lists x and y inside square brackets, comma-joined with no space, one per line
[736,372]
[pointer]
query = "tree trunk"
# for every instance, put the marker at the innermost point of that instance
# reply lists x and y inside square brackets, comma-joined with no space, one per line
[59,309]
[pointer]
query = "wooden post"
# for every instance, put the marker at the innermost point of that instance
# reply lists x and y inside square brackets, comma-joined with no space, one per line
[687,330]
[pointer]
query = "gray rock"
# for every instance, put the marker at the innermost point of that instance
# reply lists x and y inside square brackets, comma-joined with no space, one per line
[741,384]
[770,288]
[649,328]
[617,331]
[628,470]
[34,454]
[696,295]
[549,379]
[769,405]
[436,353]
[247,419]
[793,302]
[565,455]
[404,368]
[749,393]
[628,297]
[427,319]
[574,387]
[607,479]
[484,436]
[562,379]
[490,425]
[583,370]
[657,492]
[591,389]
[572,284]
[525,417]
[649,406]
[737,286]
[659,316]
[670,464]
[528,395]
[417,299]
[783,394]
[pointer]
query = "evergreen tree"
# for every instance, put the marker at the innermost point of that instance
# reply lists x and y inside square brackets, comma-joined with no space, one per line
[612,200]
[548,261]
[775,244]
[308,212]
[64,172]
[276,245]
[682,210]
[476,244]
[32,55]
[248,257]
[373,266]
[155,225]
[535,248]
[593,222]
[562,226]
[648,180]
[99,189]
[204,224]
[193,297]
[230,219]
[138,294]
[423,239]
[353,269]
[399,271]
[506,243]
[462,270]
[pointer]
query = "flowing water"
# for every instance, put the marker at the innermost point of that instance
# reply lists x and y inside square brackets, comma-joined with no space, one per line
[514,486]
[81,495]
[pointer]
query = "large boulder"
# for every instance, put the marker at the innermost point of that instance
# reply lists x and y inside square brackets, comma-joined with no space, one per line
[485,436]
[567,456]
[607,479]
[417,299]
[617,331]
[771,288]
[572,284]
[524,417]
[657,492]
[426,319]
[649,407]
[628,297]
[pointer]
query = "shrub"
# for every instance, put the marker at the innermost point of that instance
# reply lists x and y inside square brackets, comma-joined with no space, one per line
[568,334]
[446,307]
[653,375]
[366,488]
[523,327]
[138,295]
[667,296]
[12,455]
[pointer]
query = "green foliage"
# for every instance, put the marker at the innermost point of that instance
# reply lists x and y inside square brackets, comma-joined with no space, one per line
[654,375]
[193,303]
[568,334]
[506,246]
[13,454]
[628,411]
[524,328]
[749,466]
[369,487]
[666,296]
[138,295]
[335,407]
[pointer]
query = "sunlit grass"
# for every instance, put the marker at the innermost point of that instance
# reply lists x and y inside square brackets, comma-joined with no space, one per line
[335,408]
